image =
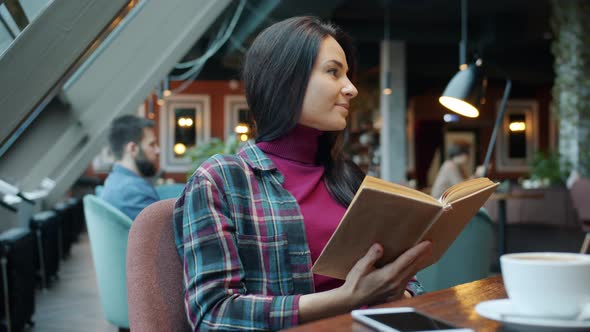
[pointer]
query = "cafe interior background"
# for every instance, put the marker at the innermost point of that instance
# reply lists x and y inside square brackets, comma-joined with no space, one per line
[68,69]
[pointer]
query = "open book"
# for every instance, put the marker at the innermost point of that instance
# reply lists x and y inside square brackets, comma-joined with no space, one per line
[398,218]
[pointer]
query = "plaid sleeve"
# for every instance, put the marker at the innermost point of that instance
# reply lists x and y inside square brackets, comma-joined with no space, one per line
[415,287]
[216,297]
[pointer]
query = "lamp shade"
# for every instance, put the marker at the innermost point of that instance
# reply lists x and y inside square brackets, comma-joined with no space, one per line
[463,92]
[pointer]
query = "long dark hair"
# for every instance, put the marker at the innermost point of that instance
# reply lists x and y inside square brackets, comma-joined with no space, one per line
[276,73]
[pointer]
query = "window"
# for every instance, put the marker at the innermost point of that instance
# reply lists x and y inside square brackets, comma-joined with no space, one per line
[517,139]
[184,123]
[237,114]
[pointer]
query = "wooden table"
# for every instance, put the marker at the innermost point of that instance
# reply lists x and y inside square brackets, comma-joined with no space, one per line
[455,305]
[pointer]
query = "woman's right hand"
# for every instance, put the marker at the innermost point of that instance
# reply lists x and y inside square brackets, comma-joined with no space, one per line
[367,285]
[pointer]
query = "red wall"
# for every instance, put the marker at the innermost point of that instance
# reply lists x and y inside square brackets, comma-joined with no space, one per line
[216,90]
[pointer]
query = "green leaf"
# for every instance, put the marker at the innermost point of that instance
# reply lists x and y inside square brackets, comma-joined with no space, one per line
[201,152]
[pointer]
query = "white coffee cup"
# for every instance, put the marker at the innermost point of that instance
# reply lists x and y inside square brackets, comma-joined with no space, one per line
[547,284]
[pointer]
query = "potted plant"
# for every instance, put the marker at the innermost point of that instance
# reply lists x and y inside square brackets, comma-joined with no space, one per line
[201,152]
[549,169]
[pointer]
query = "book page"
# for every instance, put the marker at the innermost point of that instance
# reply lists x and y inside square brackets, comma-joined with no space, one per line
[373,182]
[391,219]
[463,189]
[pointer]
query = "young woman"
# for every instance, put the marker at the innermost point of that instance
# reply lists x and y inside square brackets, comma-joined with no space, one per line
[250,226]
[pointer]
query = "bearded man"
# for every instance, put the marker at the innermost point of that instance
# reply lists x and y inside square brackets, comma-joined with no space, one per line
[133,144]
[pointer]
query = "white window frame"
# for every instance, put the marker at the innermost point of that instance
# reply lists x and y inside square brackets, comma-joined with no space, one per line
[530,108]
[232,104]
[202,106]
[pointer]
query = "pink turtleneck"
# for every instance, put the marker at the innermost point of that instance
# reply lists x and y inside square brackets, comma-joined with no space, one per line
[294,156]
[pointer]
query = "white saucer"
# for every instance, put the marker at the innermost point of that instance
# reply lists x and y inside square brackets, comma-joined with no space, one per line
[500,310]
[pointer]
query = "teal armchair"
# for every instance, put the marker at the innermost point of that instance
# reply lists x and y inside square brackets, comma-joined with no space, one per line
[173,190]
[469,258]
[98,190]
[108,229]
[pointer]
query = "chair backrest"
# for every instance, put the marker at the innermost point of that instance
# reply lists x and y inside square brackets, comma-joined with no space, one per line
[154,272]
[580,193]
[173,190]
[108,229]
[585,244]
[469,258]
[98,190]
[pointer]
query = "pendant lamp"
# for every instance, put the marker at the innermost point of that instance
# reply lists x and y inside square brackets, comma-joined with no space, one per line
[462,93]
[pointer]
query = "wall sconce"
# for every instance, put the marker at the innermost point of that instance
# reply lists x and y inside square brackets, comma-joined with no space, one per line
[517,141]
[387,84]
[185,122]
[517,126]
[150,109]
[159,94]
[184,134]
[179,149]
[167,92]
[242,130]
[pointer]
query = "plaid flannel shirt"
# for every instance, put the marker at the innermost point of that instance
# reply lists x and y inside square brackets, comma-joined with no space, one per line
[242,239]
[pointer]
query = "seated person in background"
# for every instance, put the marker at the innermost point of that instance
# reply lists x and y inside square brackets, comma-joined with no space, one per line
[452,170]
[133,143]
[249,226]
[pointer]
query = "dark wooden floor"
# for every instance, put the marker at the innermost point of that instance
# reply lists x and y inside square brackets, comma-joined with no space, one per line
[72,303]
